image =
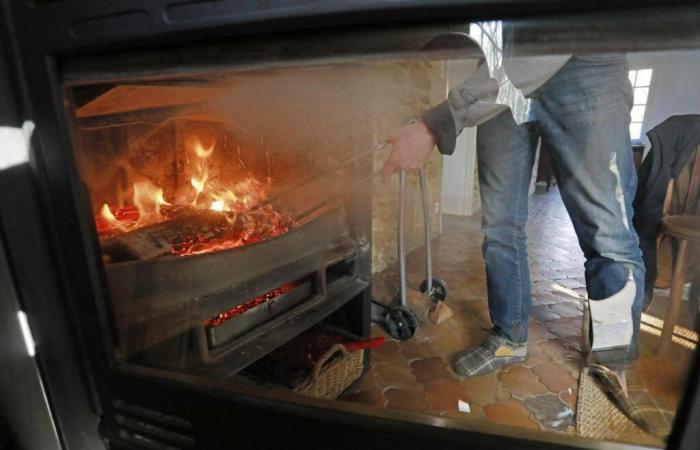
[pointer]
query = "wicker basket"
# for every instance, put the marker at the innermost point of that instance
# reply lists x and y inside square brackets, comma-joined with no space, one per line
[334,372]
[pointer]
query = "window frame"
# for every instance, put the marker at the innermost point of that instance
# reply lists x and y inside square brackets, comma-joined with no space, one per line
[638,138]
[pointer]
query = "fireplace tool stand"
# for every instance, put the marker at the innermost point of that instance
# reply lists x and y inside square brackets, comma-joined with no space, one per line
[398,319]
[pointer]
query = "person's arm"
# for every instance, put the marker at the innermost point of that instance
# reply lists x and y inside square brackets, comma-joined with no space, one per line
[468,104]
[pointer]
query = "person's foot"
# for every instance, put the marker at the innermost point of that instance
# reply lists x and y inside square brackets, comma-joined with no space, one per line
[629,392]
[492,354]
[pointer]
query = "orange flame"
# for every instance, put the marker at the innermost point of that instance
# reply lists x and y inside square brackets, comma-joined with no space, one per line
[246,221]
[199,183]
[199,180]
[148,198]
[107,215]
[202,152]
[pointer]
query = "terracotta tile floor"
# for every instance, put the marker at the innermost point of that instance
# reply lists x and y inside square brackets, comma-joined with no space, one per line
[416,375]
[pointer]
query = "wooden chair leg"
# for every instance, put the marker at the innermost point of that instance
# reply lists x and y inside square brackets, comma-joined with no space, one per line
[695,299]
[676,296]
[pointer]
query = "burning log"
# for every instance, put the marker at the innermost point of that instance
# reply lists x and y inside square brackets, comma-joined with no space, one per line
[193,231]
[162,238]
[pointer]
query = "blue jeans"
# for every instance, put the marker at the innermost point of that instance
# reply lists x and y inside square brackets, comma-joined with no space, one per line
[582,116]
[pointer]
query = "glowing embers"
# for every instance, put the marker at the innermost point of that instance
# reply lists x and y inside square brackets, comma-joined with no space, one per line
[238,229]
[236,311]
[205,215]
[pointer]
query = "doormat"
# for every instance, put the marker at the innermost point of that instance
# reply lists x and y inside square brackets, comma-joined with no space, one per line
[597,417]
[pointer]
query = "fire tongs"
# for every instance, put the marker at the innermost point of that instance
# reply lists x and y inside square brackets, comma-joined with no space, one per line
[398,319]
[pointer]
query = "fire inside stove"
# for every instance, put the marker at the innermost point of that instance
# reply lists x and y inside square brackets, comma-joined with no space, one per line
[236,311]
[228,208]
[207,215]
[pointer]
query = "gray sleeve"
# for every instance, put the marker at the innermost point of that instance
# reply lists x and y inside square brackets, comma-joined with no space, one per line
[468,104]
[440,122]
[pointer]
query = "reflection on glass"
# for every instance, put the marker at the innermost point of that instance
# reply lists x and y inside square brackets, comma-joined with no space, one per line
[635,130]
[637,113]
[235,228]
[640,95]
[643,77]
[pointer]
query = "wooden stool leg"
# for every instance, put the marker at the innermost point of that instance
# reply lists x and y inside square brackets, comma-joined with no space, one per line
[676,297]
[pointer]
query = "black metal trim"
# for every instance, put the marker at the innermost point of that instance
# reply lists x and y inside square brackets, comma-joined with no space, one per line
[84,26]
[686,429]
[62,286]
[31,263]
[8,107]
[275,419]
[20,377]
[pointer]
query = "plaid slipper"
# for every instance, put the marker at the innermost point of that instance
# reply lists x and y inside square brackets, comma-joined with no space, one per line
[493,353]
[630,393]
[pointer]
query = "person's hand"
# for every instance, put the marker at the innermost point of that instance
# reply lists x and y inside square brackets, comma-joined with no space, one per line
[411,147]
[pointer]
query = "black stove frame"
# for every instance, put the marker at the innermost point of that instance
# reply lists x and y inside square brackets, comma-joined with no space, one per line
[48,244]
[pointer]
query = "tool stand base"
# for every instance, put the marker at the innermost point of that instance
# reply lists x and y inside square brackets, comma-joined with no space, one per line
[438,289]
[400,322]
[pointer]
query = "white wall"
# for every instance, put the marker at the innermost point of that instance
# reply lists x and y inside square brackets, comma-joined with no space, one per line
[459,169]
[675,84]
[458,173]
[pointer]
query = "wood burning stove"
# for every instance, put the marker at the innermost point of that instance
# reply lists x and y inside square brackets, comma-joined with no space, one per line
[190,202]
[220,240]
[219,210]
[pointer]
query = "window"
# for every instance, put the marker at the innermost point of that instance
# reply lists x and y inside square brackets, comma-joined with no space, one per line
[641,80]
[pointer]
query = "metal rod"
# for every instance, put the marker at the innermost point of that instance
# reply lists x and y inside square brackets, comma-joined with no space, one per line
[400,238]
[361,182]
[152,116]
[305,181]
[426,222]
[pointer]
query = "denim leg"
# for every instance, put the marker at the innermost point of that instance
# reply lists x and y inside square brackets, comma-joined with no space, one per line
[584,114]
[505,153]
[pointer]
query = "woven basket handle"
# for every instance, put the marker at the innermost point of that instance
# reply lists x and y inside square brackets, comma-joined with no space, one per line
[335,349]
